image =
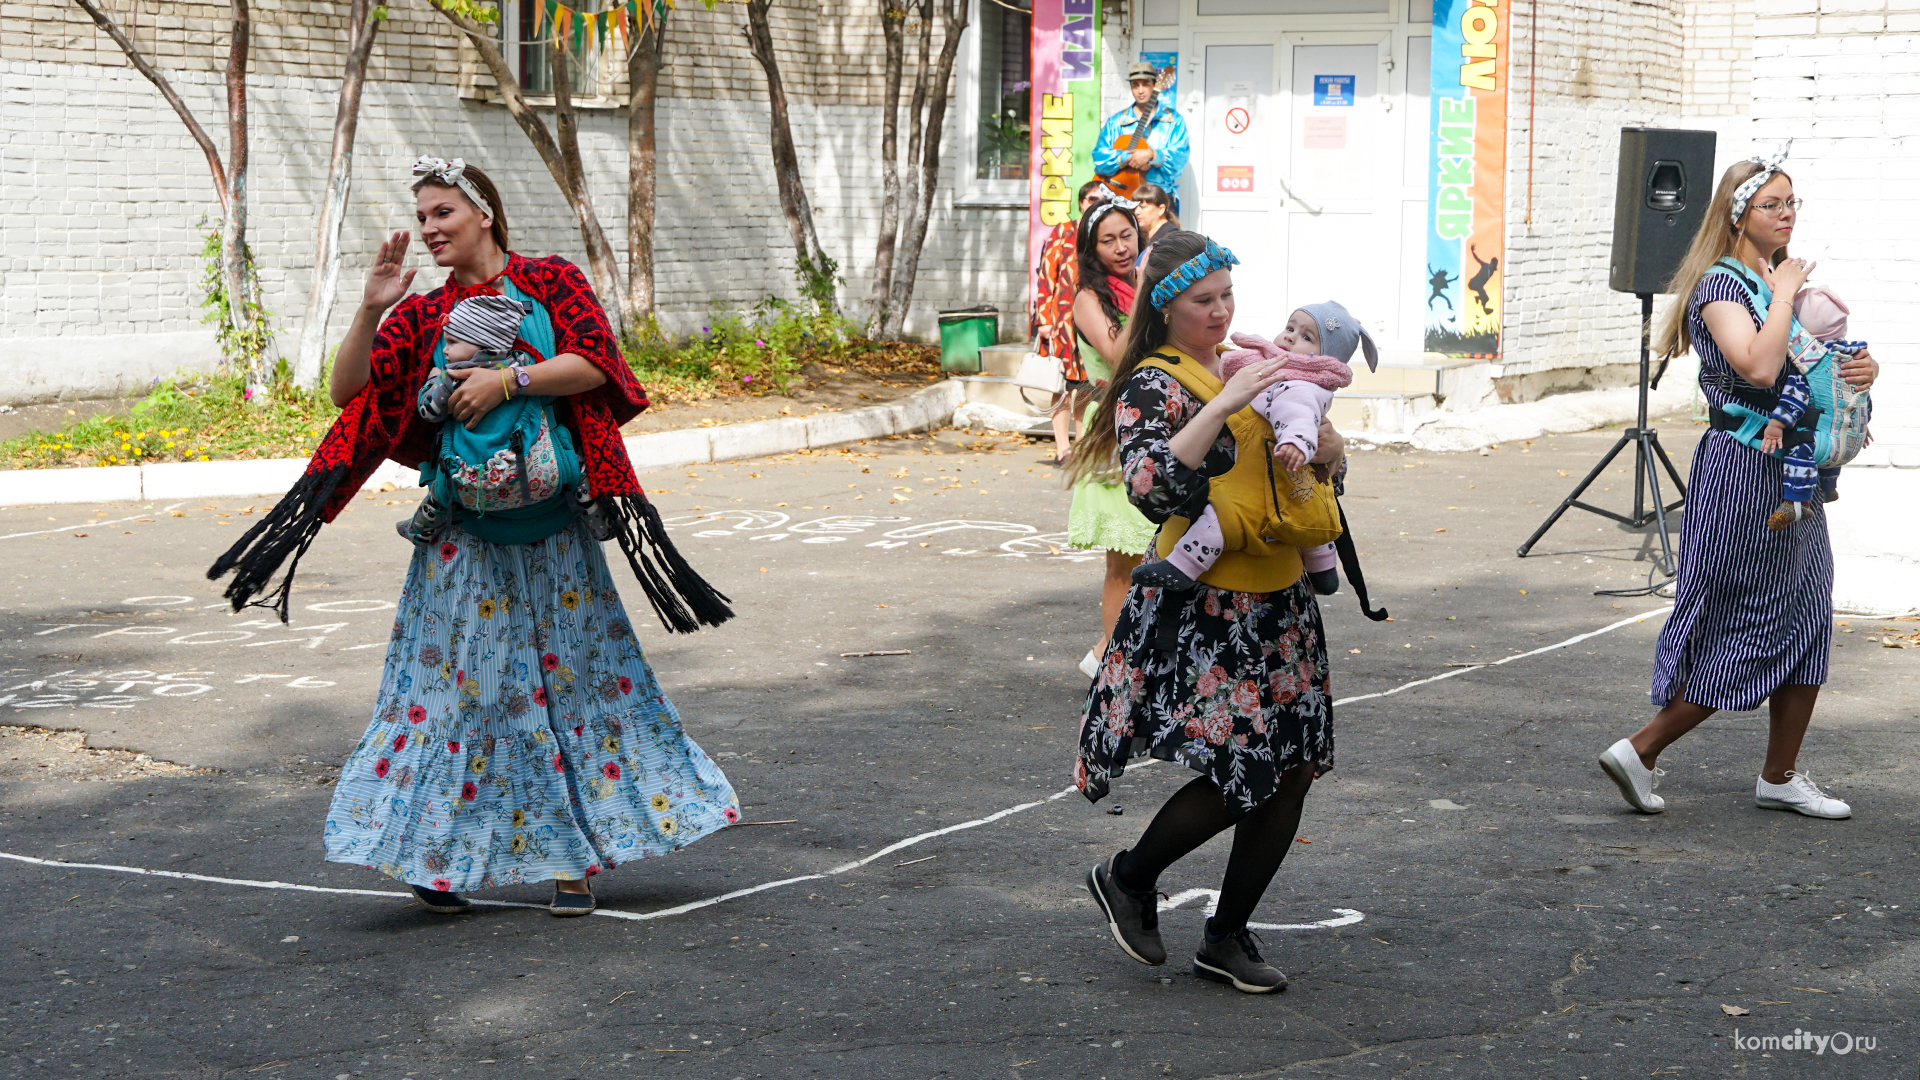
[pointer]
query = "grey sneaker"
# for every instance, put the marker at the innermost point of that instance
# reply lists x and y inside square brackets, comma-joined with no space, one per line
[1133,920]
[1235,960]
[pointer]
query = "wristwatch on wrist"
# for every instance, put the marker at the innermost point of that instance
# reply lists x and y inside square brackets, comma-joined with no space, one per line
[520,376]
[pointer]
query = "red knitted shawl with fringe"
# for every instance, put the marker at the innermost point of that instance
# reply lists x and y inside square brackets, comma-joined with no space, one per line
[382,421]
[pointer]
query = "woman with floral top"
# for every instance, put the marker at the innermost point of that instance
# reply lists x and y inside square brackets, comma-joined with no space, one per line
[519,735]
[1232,681]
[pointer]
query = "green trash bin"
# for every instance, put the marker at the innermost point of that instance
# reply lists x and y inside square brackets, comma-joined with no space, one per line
[963,333]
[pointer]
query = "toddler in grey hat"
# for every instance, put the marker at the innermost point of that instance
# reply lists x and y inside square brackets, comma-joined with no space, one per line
[1318,341]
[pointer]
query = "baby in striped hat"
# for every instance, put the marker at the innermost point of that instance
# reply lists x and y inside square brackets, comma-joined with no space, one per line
[481,332]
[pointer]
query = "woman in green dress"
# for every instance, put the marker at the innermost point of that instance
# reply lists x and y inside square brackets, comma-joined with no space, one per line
[1101,517]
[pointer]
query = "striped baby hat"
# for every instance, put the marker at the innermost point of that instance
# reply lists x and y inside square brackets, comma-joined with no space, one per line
[491,322]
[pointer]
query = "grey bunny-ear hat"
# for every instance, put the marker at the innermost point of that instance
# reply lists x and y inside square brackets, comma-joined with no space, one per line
[1341,333]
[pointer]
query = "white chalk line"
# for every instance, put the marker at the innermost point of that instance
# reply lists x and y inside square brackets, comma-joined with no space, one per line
[1346,916]
[91,524]
[1575,640]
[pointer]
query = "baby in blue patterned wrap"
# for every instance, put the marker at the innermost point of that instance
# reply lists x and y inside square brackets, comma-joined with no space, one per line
[1823,315]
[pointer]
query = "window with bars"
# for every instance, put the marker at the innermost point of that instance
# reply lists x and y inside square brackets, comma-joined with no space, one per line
[524,39]
[1004,75]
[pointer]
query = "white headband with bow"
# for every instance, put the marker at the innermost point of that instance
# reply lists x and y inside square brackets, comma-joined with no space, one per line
[453,174]
[1768,166]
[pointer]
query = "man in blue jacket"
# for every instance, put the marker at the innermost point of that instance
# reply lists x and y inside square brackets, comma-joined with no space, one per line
[1164,150]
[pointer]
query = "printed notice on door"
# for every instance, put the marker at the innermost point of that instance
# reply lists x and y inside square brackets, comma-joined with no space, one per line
[1324,133]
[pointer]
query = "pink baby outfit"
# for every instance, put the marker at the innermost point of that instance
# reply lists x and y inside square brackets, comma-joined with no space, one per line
[1295,407]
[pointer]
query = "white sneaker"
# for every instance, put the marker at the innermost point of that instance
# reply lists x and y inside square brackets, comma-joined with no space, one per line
[1090,665]
[1621,763]
[1801,795]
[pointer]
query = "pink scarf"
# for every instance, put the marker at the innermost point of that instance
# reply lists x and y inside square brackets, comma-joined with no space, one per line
[1322,371]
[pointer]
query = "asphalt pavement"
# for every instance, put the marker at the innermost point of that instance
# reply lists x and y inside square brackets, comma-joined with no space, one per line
[1468,897]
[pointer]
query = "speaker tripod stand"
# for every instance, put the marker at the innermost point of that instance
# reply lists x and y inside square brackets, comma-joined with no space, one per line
[1646,447]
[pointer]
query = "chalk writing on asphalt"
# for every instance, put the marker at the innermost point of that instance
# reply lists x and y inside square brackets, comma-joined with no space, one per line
[125,689]
[269,632]
[998,539]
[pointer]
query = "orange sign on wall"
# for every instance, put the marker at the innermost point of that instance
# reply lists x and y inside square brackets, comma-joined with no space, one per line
[1235,178]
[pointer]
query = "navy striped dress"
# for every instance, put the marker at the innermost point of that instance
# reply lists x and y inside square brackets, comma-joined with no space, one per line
[1753,608]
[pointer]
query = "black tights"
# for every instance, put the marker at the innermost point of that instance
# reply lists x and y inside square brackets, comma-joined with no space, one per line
[1197,813]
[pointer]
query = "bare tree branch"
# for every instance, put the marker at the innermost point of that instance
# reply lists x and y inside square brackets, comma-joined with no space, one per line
[643,85]
[786,161]
[160,83]
[893,26]
[362,27]
[600,260]
[914,234]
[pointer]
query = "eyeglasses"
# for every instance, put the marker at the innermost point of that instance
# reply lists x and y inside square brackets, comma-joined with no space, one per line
[1775,206]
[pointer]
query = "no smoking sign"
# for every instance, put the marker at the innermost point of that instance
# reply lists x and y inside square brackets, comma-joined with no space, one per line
[1238,120]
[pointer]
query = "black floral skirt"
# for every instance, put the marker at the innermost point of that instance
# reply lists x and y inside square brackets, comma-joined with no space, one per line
[1232,685]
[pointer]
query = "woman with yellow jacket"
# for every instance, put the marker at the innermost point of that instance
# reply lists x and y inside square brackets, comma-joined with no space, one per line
[1231,678]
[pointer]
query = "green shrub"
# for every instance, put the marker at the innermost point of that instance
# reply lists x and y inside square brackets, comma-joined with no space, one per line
[759,351]
[184,418]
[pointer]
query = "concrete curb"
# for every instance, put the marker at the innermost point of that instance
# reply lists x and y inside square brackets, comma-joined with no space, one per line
[922,410]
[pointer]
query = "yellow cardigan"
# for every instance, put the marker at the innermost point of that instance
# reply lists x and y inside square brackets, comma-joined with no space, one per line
[1263,530]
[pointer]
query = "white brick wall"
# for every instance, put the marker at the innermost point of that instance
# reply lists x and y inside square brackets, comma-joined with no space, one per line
[1603,65]
[105,193]
[1837,78]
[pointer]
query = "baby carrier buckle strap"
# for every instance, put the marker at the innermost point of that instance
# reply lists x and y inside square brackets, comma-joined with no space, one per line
[1720,418]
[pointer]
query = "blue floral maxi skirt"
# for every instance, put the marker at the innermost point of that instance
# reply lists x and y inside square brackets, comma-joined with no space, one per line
[519,734]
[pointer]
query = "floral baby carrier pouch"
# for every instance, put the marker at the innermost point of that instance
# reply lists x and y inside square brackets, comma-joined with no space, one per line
[1836,420]
[518,462]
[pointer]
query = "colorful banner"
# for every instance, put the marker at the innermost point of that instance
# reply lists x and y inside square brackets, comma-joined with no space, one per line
[1066,116]
[627,21]
[1467,178]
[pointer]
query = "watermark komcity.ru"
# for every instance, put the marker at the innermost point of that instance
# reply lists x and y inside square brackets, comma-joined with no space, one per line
[1839,1042]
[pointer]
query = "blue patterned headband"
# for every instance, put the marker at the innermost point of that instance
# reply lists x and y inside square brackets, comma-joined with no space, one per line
[1768,166]
[1214,258]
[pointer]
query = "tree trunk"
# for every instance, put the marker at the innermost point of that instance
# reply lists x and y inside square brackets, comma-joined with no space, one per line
[591,235]
[602,261]
[786,161]
[914,234]
[234,264]
[916,131]
[893,25]
[643,85]
[361,29]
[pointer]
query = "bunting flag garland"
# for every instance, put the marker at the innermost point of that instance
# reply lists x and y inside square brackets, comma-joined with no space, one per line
[577,28]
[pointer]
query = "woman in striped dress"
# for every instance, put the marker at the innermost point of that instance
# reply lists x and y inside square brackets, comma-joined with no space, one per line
[1752,617]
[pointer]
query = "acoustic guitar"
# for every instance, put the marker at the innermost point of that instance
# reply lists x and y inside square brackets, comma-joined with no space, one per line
[1128,179]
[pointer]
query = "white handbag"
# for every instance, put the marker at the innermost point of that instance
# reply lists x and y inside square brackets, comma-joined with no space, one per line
[1041,373]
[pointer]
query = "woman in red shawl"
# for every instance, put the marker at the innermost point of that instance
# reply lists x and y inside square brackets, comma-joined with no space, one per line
[519,734]
[1057,280]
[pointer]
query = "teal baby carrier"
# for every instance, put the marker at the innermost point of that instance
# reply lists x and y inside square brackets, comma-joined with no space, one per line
[1836,421]
[510,479]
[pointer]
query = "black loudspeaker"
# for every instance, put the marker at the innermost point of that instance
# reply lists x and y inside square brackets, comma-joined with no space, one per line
[1666,181]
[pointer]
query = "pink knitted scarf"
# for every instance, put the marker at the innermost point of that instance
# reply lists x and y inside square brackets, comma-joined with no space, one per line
[1322,371]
